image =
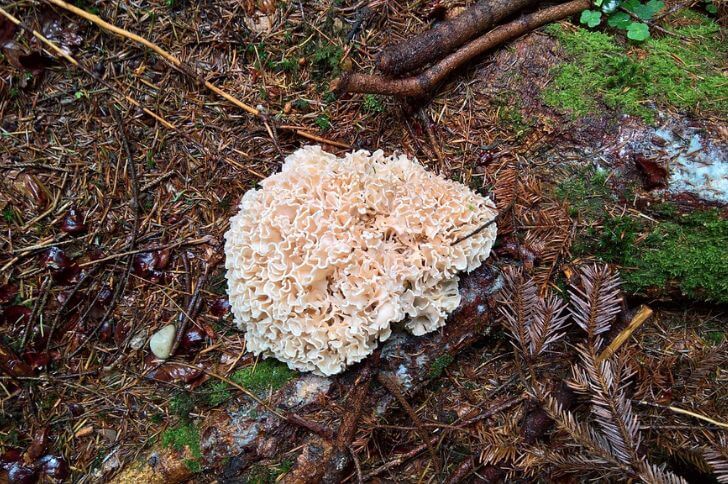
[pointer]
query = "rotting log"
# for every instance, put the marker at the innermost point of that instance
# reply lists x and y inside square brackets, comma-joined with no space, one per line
[236,437]
[423,84]
[446,36]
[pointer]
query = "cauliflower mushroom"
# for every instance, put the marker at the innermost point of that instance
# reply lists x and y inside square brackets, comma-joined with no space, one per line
[330,252]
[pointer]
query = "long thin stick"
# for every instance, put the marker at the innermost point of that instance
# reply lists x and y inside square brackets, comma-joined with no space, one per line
[151,45]
[87,71]
[643,314]
[682,411]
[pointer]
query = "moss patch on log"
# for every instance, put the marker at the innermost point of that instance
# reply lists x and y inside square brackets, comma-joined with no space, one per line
[265,376]
[685,251]
[185,438]
[665,72]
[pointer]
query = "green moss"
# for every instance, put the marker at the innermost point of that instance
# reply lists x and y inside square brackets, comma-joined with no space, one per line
[438,366]
[667,71]
[181,405]
[261,474]
[326,61]
[217,393]
[372,104]
[263,377]
[323,122]
[689,251]
[714,338]
[181,437]
[585,191]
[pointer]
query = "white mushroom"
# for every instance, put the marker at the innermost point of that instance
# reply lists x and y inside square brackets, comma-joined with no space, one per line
[330,252]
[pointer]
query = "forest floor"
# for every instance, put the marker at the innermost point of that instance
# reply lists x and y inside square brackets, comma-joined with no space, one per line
[616,151]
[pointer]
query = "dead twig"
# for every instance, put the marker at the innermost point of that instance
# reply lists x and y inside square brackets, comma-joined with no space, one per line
[40,302]
[134,231]
[174,61]
[433,44]
[424,84]
[185,317]
[642,315]
[392,387]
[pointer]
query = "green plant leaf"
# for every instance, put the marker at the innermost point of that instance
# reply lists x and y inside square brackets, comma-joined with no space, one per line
[710,7]
[646,11]
[619,20]
[638,31]
[591,18]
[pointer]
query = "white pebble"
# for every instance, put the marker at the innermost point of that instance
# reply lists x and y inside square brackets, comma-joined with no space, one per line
[161,342]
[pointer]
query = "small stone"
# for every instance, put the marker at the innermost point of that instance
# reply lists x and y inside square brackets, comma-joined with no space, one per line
[161,342]
[137,341]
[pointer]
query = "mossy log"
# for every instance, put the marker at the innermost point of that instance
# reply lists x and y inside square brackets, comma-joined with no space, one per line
[235,438]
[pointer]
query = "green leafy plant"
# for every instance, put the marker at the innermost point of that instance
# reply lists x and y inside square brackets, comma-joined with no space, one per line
[372,104]
[628,15]
[323,122]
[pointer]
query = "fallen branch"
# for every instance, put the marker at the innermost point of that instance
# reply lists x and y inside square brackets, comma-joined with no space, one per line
[446,36]
[423,84]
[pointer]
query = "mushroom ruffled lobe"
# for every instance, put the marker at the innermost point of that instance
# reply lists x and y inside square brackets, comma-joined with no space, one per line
[326,255]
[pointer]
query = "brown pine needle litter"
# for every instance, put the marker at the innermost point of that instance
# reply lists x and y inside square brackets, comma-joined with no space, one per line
[129,131]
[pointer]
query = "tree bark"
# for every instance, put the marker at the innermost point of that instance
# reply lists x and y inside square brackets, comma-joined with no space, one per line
[446,36]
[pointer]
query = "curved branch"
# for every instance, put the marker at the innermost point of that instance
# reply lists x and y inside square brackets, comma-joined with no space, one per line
[423,84]
[433,44]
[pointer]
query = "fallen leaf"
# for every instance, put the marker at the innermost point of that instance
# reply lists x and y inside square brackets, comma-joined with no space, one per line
[54,466]
[38,446]
[220,307]
[192,340]
[654,174]
[72,223]
[62,268]
[19,473]
[59,30]
[9,457]
[16,316]
[37,359]
[172,372]
[8,292]
[11,363]
[149,265]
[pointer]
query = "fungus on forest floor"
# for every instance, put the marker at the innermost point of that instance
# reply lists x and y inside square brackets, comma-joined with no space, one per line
[329,253]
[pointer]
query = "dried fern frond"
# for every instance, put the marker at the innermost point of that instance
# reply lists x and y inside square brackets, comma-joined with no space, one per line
[547,327]
[601,449]
[581,433]
[611,408]
[717,458]
[519,300]
[653,474]
[501,443]
[551,231]
[595,301]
